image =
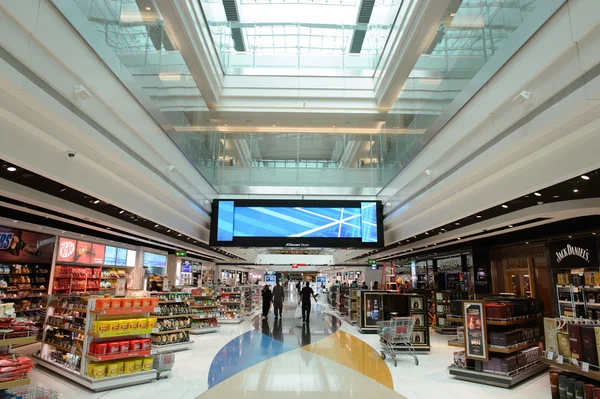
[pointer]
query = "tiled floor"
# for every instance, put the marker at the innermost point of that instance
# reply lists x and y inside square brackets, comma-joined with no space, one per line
[335,361]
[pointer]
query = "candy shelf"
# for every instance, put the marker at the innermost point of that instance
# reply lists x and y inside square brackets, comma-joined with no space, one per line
[128,311]
[117,356]
[114,334]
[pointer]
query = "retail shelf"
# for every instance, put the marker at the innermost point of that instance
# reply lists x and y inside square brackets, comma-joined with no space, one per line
[103,384]
[512,320]
[64,348]
[75,330]
[229,310]
[178,347]
[204,296]
[204,330]
[498,380]
[197,317]
[116,356]
[173,315]
[173,301]
[14,383]
[454,319]
[567,365]
[80,310]
[456,343]
[593,304]
[204,306]
[110,334]
[231,302]
[513,348]
[569,303]
[29,310]
[445,330]
[18,341]
[122,311]
[171,331]
[229,321]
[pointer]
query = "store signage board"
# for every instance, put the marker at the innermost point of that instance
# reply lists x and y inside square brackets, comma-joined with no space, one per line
[475,330]
[372,262]
[83,253]
[186,268]
[574,253]
[110,255]
[181,254]
[98,254]
[121,257]
[120,287]
[66,250]
[154,260]
[294,266]
[131,256]
[25,246]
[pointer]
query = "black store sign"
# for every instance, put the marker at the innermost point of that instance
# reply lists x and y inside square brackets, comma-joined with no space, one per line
[575,253]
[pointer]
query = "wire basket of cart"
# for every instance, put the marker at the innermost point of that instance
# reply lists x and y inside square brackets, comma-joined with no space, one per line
[34,393]
[394,334]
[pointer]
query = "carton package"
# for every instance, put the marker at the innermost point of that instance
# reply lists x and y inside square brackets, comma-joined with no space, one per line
[588,344]
[564,346]
[575,341]
[550,334]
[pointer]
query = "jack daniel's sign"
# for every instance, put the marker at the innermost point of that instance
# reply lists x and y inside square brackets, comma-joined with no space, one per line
[575,253]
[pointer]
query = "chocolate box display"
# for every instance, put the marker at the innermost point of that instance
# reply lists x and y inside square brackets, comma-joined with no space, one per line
[575,341]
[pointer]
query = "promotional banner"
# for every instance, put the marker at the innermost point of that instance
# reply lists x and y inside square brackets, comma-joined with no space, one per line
[25,246]
[83,254]
[98,254]
[573,253]
[475,332]
[66,250]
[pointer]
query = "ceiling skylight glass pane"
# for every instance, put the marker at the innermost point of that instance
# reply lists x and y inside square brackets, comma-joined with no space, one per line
[302,27]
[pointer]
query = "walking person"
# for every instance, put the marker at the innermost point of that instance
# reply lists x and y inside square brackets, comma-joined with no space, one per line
[305,295]
[267,298]
[278,300]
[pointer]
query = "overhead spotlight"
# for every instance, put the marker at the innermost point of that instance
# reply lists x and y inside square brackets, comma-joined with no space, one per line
[453,14]
[63,189]
[504,206]
[333,126]
[585,177]
[510,225]
[426,233]
[428,172]
[527,242]
[168,231]
[81,92]
[388,204]
[458,238]
[274,125]
[556,196]
[97,202]
[537,194]
[122,212]
[148,8]
[155,225]
[108,228]
[16,221]
[576,191]
[188,238]
[11,169]
[478,216]
[570,236]
[522,97]
[434,244]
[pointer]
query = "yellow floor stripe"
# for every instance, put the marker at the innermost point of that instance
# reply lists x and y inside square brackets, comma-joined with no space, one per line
[354,353]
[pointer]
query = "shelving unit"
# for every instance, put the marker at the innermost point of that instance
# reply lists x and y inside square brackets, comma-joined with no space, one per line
[230,305]
[77,352]
[444,322]
[568,364]
[181,334]
[495,330]
[6,341]
[26,285]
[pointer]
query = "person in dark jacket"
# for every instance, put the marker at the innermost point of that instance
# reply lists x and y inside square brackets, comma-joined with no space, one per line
[267,298]
[278,300]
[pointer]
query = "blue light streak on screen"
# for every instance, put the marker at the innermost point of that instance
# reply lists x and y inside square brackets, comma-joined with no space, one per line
[225,222]
[368,212]
[297,222]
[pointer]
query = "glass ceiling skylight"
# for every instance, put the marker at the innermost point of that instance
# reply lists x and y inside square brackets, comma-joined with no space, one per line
[334,37]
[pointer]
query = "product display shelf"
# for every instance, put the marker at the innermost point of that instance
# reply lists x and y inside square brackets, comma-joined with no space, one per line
[502,380]
[171,348]
[77,360]
[444,323]
[571,365]
[230,305]
[495,378]
[15,383]
[25,285]
[205,330]
[8,342]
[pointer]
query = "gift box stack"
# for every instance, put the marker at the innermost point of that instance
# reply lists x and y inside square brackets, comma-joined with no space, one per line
[513,362]
[569,385]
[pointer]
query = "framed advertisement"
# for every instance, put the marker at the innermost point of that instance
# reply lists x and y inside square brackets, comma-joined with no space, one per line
[66,250]
[83,254]
[98,254]
[475,330]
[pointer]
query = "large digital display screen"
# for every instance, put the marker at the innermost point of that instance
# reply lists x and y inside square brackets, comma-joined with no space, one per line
[154,260]
[297,223]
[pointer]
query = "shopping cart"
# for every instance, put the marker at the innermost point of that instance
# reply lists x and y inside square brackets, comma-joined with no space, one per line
[163,363]
[33,393]
[396,338]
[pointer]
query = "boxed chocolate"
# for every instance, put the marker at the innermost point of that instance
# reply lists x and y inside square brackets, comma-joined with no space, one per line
[588,344]
[575,341]
[564,345]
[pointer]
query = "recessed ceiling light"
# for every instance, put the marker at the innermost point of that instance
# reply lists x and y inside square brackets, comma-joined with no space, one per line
[179,235]
[11,168]
[225,125]
[478,216]
[576,191]
[97,201]
[333,126]
[434,244]
[453,14]
[537,194]
[504,206]
[16,221]
[188,238]
[63,231]
[155,225]
[570,236]
[82,235]
[148,9]
[273,125]
[510,225]
[458,238]
[108,228]
[62,190]
[585,177]
[168,231]
[426,233]
[556,196]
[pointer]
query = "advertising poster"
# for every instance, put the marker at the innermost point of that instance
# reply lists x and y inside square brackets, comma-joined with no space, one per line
[475,332]
[83,254]
[110,255]
[98,254]
[66,250]
[131,255]
[121,257]
[25,246]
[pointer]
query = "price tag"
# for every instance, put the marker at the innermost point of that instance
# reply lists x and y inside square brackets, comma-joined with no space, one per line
[585,367]
[178,299]
[153,352]
[550,355]
[574,362]
[559,359]
[157,310]
[155,330]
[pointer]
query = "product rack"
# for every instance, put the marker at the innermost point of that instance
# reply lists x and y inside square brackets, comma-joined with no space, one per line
[205,306]
[8,342]
[352,304]
[26,290]
[495,378]
[571,365]
[170,298]
[83,357]
[230,305]
[444,322]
